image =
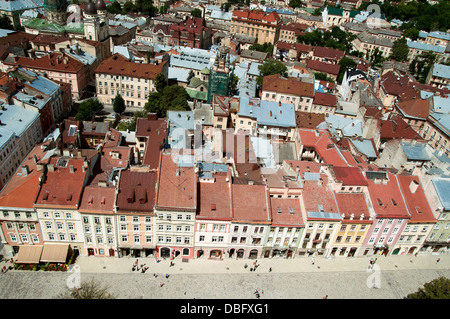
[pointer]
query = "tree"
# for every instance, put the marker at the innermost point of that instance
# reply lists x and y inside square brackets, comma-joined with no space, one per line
[5,23]
[323,77]
[295,4]
[196,13]
[411,33]
[438,288]
[119,104]
[400,50]
[114,8]
[266,47]
[234,83]
[345,64]
[172,98]
[88,290]
[88,109]
[270,67]
[160,82]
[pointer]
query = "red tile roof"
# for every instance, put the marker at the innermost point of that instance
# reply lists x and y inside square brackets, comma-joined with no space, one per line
[397,128]
[62,188]
[329,53]
[308,120]
[250,204]
[316,194]
[350,176]
[321,141]
[136,191]
[256,17]
[98,199]
[386,198]
[286,212]
[325,99]
[353,204]
[177,186]
[58,62]
[323,67]
[415,198]
[156,131]
[21,191]
[215,199]
[119,65]
[293,86]
[415,108]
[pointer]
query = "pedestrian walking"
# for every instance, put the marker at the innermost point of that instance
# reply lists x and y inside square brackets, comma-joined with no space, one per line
[270,269]
[326,297]
[155,275]
[245,266]
[167,276]
[438,260]
[160,284]
[312,261]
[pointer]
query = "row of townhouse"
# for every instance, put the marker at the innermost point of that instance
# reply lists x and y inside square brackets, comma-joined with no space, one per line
[191,211]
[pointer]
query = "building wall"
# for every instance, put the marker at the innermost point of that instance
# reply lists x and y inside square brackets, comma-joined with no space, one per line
[99,234]
[67,222]
[135,231]
[20,227]
[212,238]
[175,230]
[135,91]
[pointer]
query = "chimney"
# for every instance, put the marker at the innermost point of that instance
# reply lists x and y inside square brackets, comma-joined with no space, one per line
[413,186]
[72,169]
[34,158]
[51,167]
[25,170]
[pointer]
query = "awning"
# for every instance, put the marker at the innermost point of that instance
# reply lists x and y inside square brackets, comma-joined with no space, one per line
[29,254]
[55,253]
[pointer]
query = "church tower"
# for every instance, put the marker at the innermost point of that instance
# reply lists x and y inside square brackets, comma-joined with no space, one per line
[96,22]
[220,76]
[56,11]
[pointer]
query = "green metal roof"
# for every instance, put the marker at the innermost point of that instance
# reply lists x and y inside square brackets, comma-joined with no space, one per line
[197,94]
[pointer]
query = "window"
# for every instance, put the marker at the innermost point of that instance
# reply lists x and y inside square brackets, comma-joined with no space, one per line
[179,216]
[123,219]
[69,215]
[148,219]
[343,227]
[371,240]
[97,220]
[85,219]
[187,228]
[135,219]
[243,240]
[169,227]
[135,227]
[203,227]
[148,239]
[136,239]
[123,227]
[168,239]
[62,237]
[201,238]
[236,229]
[376,230]
[148,228]
[188,217]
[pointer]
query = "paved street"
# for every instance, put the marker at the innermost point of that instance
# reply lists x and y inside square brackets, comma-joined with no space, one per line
[228,279]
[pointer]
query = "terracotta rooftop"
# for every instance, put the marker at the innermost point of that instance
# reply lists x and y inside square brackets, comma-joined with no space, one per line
[323,67]
[119,65]
[62,187]
[386,198]
[416,108]
[55,61]
[215,199]
[286,212]
[397,128]
[177,186]
[21,190]
[319,197]
[97,199]
[415,198]
[250,209]
[136,191]
[293,86]
[353,204]
[256,16]
[156,131]
[308,120]
[350,176]
[325,99]
[329,53]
